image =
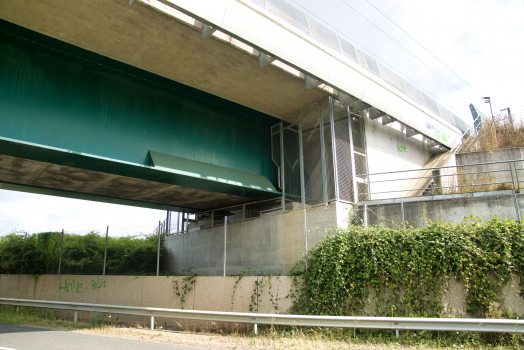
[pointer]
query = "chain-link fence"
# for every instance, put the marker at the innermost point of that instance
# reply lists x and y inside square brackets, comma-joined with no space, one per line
[419,212]
[257,238]
[86,252]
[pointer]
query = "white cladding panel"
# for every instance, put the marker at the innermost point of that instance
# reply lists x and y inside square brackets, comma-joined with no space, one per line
[388,149]
[270,34]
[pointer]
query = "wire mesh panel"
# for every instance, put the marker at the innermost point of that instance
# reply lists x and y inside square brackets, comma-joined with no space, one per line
[312,154]
[268,207]
[204,220]
[343,152]
[360,157]
[292,166]
[320,220]
[418,214]
[328,149]
[266,245]
[387,215]
[85,254]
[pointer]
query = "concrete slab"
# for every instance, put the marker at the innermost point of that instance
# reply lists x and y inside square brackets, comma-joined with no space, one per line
[47,287]
[159,43]
[275,294]
[14,286]
[45,175]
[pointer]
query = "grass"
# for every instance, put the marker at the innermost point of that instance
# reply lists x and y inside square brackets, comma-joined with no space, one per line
[496,134]
[269,337]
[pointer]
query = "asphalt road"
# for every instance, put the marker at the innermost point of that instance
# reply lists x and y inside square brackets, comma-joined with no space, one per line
[14,337]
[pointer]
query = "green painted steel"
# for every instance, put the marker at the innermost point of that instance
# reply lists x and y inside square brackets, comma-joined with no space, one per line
[209,172]
[61,96]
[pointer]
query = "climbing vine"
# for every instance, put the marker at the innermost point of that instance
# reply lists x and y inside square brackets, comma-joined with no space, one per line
[187,285]
[406,271]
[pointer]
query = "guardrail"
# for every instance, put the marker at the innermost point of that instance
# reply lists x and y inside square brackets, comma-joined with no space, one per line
[397,323]
[461,180]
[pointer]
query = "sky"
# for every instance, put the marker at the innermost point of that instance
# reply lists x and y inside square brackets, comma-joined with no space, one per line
[482,41]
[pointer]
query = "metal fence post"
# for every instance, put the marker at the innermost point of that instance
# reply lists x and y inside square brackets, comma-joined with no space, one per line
[402,210]
[322,153]
[60,258]
[516,202]
[301,155]
[365,215]
[282,167]
[105,251]
[334,147]
[168,219]
[305,235]
[352,157]
[158,250]
[225,243]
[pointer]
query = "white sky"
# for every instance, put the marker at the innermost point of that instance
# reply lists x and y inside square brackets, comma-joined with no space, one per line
[481,40]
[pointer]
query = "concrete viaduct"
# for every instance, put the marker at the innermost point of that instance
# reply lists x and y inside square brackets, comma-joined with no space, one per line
[200,104]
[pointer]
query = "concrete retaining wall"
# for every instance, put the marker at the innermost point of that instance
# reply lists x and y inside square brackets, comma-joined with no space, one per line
[499,172]
[208,293]
[499,204]
[268,245]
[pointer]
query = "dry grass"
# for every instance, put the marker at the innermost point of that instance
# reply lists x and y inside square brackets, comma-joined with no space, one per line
[268,337]
[268,340]
[496,134]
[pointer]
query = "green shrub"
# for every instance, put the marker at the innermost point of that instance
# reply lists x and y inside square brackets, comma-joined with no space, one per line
[408,268]
[39,254]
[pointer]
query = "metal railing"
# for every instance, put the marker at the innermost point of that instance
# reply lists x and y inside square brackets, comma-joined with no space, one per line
[397,323]
[395,198]
[449,179]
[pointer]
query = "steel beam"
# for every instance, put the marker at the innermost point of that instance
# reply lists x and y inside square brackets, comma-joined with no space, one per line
[375,113]
[358,106]
[207,31]
[312,83]
[411,132]
[345,99]
[265,59]
[386,119]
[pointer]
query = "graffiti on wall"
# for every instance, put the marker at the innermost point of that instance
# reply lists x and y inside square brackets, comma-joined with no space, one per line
[402,149]
[77,287]
[439,133]
[399,164]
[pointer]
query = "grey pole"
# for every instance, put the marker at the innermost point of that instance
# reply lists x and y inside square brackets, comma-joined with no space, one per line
[282,165]
[333,146]
[365,215]
[60,258]
[509,115]
[168,219]
[301,155]
[225,243]
[158,250]
[352,155]
[302,180]
[515,189]
[105,251]
[305,235]
[402,210]
[322,153]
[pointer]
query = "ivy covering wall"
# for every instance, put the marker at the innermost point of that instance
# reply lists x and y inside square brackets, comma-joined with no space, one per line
[409,269]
